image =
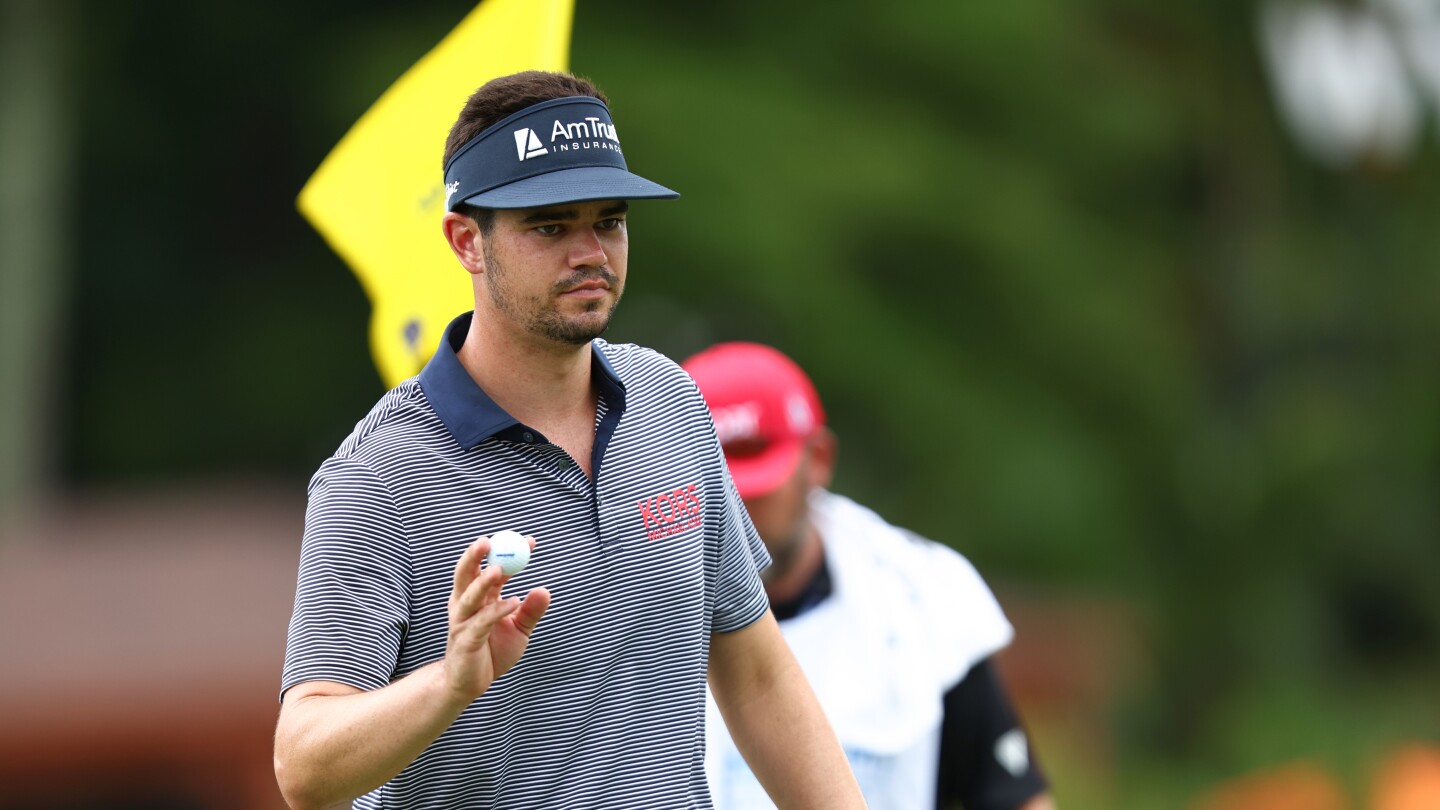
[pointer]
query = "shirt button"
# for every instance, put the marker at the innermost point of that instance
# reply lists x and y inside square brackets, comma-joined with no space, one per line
[566,463]
[528,437]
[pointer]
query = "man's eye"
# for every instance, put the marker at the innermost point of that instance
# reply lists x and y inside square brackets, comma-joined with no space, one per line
[548,230]
[610,224]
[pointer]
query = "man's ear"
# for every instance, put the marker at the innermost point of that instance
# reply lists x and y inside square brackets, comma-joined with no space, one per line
[466,241]
[823,449]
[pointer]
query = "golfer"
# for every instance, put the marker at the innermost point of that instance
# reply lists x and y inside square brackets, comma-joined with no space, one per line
[415,675]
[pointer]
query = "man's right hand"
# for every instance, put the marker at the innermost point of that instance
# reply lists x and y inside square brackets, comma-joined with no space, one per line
[488,634]
[335,742]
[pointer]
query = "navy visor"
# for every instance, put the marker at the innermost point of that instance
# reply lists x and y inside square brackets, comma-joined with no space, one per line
[560,151]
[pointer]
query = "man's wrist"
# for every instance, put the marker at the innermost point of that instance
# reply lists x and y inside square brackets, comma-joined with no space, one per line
[443,690]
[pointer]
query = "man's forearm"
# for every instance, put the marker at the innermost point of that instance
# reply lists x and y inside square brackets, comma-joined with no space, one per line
[791,748]
[777,723]
[334,743]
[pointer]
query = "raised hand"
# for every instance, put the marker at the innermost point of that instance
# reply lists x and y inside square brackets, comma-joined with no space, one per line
[488,634]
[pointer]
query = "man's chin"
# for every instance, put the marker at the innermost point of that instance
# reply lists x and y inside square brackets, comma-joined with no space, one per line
[578,332]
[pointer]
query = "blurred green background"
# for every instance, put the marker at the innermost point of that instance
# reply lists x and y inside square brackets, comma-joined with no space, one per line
[1077,298]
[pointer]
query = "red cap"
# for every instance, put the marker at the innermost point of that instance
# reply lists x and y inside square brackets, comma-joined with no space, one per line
[764,408]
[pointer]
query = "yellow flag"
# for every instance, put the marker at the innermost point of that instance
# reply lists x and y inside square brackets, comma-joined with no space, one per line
[379,195]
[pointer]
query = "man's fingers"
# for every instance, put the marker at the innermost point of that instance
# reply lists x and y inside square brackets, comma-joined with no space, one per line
[487,615]
[481,591]
[476,605]
[535,604]
[468,566]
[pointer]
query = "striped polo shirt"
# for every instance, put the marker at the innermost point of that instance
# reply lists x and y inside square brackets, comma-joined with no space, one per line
[606,709]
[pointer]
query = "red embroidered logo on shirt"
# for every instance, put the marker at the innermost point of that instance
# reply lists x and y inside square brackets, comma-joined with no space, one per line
[671,513]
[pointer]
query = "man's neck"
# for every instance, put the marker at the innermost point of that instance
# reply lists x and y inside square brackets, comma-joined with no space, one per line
[799,570]
[806,585]
[539,382]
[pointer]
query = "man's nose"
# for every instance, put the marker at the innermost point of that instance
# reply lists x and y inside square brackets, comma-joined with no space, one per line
[587,250]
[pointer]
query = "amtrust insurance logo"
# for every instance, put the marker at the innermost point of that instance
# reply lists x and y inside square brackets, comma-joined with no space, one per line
[591,133]
[673,512]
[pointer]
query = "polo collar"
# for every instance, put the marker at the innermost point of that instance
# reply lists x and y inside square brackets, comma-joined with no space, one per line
[468,412]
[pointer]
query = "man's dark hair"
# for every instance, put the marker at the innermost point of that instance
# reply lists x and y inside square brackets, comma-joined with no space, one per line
[499,98]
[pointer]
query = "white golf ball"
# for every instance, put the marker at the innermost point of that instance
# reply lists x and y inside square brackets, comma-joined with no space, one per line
[510,551]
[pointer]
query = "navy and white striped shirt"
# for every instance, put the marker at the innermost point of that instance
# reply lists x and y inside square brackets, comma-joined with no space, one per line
[607,706]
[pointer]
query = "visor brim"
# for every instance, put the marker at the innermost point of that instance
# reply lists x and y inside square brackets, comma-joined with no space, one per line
[580,184]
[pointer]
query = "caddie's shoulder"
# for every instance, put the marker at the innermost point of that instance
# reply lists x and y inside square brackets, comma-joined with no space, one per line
[935,585]
[865,526]
[940,563]
[927,565]
[950,587]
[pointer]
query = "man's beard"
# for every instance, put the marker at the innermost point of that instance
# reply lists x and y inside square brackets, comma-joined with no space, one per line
[545,320]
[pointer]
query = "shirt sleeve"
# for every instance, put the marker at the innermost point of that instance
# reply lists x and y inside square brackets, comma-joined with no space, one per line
[740,598]
[352,592]
[986,762]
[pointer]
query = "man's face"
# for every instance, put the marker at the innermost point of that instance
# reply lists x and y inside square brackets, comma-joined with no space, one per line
[782,517]
[557,273]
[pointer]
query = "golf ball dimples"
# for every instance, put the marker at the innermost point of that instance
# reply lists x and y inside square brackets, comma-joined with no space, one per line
[510,551]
